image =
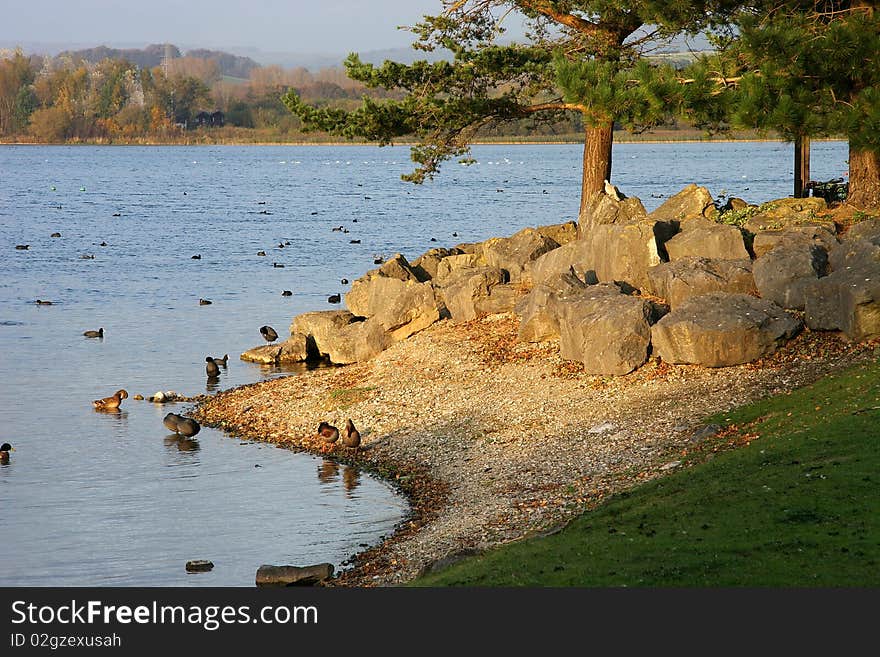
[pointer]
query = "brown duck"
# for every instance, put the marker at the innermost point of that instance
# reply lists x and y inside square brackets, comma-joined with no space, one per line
[351,437]
[112,402]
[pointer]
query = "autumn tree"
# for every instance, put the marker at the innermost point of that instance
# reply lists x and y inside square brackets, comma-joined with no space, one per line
[812,69]
[586,57]
[17,99]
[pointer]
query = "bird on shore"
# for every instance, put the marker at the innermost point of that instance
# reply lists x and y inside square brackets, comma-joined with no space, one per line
[95,334]
[268,333]
[5,448]
[112,402]
[181,425]
[334,298]
[212,368]
[328,433]
[351,437]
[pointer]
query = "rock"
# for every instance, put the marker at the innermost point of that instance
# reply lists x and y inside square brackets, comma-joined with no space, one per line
[515,254]
[625,252]
[788,212]
[560,233]
[783,274]
[692,201]
[847,300]
[467,294]
[868,230]
[607,209]
[601,428]
[734,204]
[609,333]
[708,240]
[396,267]
[452,264]
[425,266]
[295,349]
[671,465]
[268,575]
[402,307]
[720,329]
[692,276]
[199,565]
[538,315]
[575,255]
[767,240]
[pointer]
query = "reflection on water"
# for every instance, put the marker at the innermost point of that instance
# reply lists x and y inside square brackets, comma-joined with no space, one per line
[182,443]
[328,474]
[328,471]
[213,384]
[351,478]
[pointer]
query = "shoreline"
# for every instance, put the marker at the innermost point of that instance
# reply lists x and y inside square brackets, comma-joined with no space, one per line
[492,440]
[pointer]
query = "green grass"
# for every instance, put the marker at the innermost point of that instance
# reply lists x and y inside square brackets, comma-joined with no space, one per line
[798,506]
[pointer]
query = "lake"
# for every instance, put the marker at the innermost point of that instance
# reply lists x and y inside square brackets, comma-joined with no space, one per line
[100,499]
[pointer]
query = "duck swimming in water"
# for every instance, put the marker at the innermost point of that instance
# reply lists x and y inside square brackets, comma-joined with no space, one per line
[5,448]
[112,402]
[95,334]
[212,368]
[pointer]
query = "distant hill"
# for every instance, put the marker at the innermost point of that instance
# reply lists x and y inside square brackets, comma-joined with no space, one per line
[151,56]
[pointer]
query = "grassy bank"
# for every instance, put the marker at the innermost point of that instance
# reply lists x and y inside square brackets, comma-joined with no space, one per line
[785,495]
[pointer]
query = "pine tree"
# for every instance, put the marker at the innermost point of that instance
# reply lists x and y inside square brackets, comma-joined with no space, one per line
[812,69]
[585,57]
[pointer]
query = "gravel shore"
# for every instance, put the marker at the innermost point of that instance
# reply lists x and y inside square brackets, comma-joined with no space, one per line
[493,440]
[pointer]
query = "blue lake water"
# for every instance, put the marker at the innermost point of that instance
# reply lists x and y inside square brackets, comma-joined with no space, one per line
[94,499]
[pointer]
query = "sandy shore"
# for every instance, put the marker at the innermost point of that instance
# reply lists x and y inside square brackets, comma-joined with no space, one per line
[493,440]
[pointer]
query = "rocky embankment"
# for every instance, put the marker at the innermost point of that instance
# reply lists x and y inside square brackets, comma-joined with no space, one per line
[508,385]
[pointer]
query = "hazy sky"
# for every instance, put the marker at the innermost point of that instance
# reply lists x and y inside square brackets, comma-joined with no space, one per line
[322,26]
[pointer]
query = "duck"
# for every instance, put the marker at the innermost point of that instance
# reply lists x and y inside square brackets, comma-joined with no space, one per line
[351,437]
[286,293]
[344,281]
[55,235]
[179,424]
[43,302]
[334,298]
[95,334]
[261,253]
[212,368]
[5,448]
[268,333]
[328,433]
[22,247]
[205,302]
[197,256]
[277,264]
[112,402]
[222,361]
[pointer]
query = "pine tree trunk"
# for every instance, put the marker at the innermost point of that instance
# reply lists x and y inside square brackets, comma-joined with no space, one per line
[597,162]
[864,179]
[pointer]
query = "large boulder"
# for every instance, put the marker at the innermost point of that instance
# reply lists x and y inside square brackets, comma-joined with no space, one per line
[448,267]
[721,329]
[355,342]
[425,266]
[560,233]
[321,325]
[515,254]
[539,320]
[848,299]
[868,230]
[692,276]
[395,297]
[788,212]
[784,274]
[690,202]
[625,252]
[468,294]
[295,349]
[576,255]
[707,239]
[609,333]
[610,209]
[767,240]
